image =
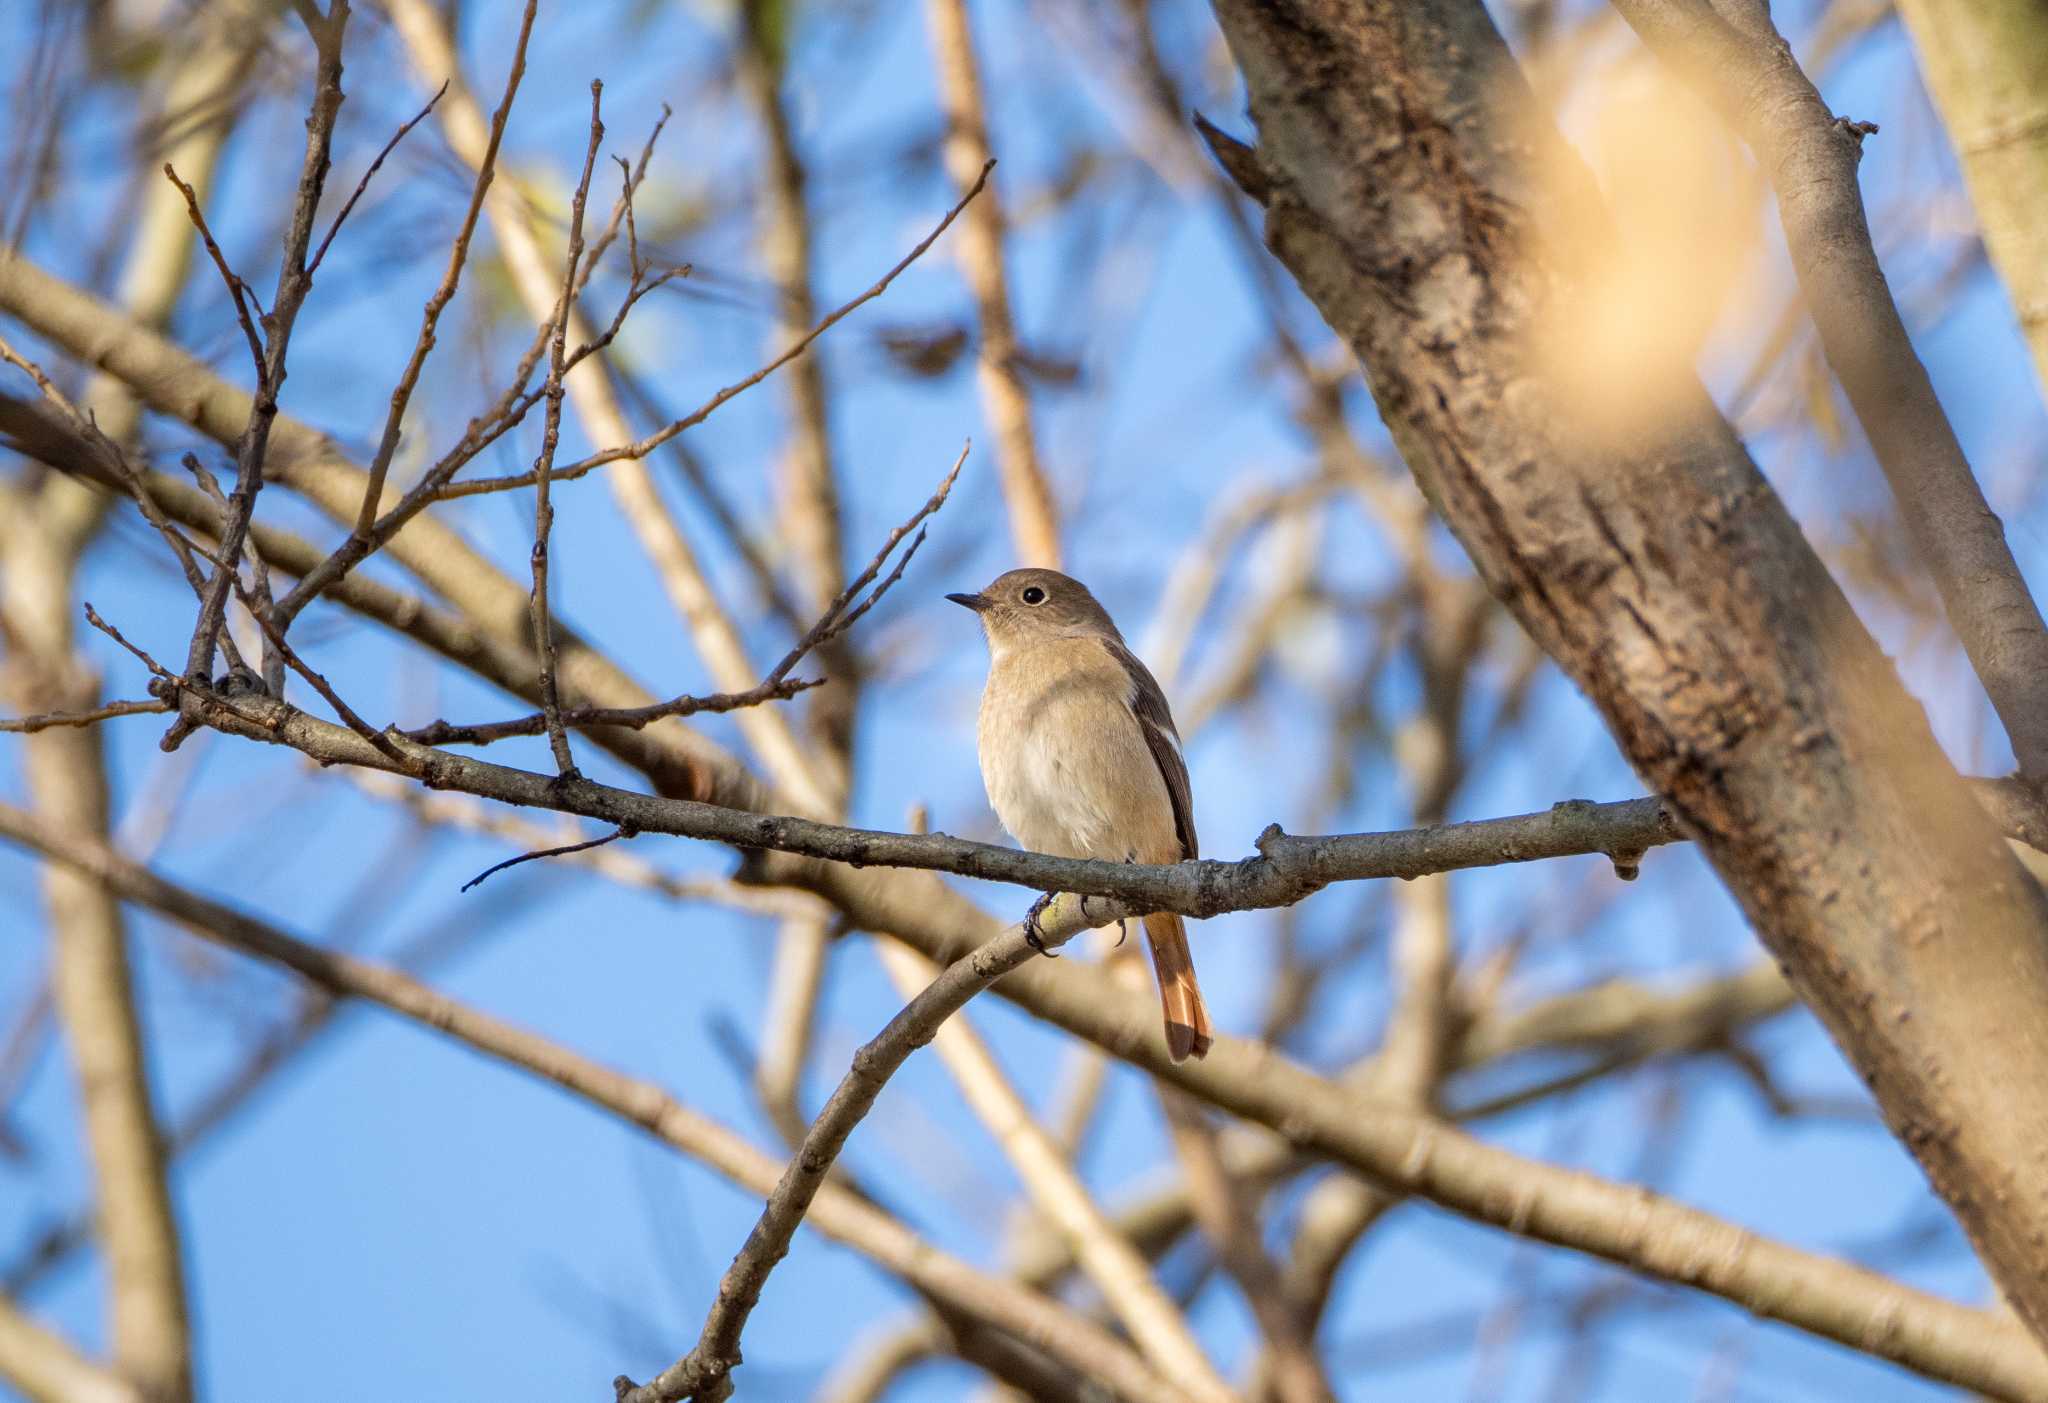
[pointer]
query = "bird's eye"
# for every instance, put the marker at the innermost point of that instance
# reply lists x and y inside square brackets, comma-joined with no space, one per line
[1033,595]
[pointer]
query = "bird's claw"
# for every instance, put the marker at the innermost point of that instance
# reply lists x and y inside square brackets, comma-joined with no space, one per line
[1033,936]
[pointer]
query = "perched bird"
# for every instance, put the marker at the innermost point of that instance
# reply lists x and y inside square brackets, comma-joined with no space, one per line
[1080,757]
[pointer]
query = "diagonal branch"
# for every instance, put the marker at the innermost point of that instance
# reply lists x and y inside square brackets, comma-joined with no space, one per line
[48,1370]
[1110,1261]
[1811,156]
[705,1373]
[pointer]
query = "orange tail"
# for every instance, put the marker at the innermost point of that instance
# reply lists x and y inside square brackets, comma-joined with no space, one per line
[1187,1021]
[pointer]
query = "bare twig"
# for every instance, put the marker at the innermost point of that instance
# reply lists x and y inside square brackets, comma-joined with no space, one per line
[31,724]
[632,717]
[835,620]
[833,623]
[563,851]
[237,289]
[642,447]
[451,277]
[543,466]
[364,184]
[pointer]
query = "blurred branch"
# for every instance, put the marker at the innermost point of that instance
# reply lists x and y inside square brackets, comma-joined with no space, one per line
[809,519]
[1986,67]
[1228,1214]
[835,1211]
[1034,516]
[47,1370]
[1743,65]
[1123,1276]
[1620,1014]
[42,539]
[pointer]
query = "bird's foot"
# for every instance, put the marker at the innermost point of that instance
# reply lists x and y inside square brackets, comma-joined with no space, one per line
[1033,936]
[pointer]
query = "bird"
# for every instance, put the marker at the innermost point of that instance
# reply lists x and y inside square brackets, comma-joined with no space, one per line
[1081,759]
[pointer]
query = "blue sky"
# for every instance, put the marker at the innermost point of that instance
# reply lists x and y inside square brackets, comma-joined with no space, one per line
[396,1217]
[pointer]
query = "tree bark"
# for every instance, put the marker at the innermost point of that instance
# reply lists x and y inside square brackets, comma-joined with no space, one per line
[1396,145]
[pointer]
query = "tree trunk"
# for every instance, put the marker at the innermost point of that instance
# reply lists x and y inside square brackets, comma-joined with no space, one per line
[1395,158]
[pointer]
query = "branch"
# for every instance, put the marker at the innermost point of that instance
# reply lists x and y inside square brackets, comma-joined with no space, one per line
[1109,1259]
[705,1373]
[631,717]
[294,281]
[1749,71]
[48,1370]
[1288,868]
[836,1212]
[1034,515]
[44,720]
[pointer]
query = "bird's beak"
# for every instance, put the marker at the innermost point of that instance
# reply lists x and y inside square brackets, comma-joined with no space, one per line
[976,602]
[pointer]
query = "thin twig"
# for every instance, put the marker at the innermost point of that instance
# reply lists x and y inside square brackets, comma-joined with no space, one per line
[29,725]
[237,289]
[451,277]
[364,184]
[631,717]
[543,466]
[645,446]
[776,686]
[832,623]
[565,850]
[156,669]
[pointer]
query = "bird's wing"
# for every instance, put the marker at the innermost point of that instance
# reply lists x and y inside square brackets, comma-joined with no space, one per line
[1155,722]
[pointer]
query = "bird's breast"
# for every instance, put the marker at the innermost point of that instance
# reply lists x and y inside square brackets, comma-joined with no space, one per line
[1067,769]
